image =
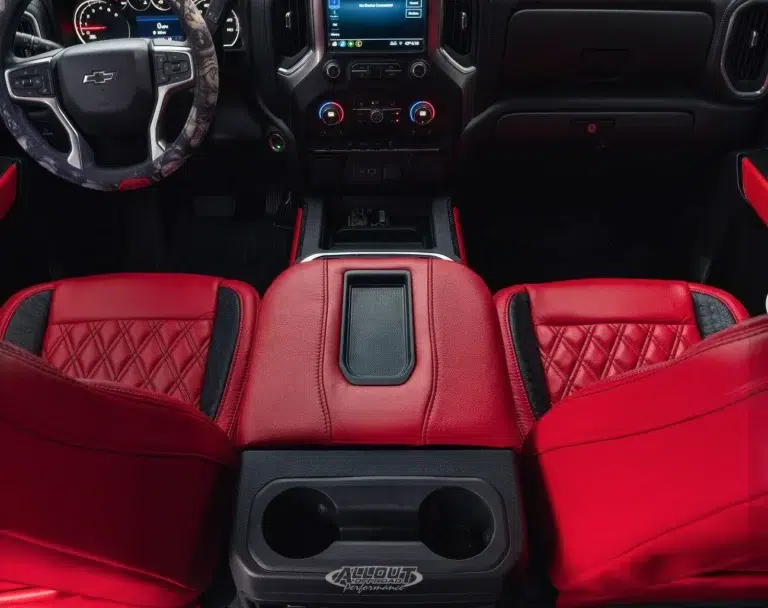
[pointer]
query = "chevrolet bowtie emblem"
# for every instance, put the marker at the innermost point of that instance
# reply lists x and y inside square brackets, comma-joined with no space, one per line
[99,77]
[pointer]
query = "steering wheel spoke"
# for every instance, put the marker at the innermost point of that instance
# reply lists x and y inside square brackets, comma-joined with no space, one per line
[174,70]
[31,81]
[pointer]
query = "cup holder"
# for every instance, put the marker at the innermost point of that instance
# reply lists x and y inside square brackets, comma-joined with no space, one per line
[455,523]
[300,523]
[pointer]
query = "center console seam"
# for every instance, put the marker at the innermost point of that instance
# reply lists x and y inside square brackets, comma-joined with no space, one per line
[321,357]
[433,347]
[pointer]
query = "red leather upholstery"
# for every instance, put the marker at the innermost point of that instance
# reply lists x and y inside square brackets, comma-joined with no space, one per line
[147,331]
[458,393]
[118,494]
[121,485]
[588,331]
[8,184]
[657,481]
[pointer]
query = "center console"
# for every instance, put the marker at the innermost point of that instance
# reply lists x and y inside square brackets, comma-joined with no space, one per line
[386,378]
[374,102]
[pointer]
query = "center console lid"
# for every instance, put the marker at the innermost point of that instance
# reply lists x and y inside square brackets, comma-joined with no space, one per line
[380,351]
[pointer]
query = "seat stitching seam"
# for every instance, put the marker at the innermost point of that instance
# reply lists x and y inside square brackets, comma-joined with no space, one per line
[661,427]
[320,372]
[582,354]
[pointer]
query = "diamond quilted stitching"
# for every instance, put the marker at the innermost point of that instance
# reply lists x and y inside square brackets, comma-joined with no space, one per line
[166,356]
[575,356]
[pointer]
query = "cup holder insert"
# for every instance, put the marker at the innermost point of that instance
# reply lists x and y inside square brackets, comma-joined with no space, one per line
[455,523]
[300,523]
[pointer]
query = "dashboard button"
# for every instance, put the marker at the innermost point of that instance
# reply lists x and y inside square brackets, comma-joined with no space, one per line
[377,116]
[332,70]
[418,69]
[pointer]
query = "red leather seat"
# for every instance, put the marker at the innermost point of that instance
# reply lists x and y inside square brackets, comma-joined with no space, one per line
[645,405]
[118,398]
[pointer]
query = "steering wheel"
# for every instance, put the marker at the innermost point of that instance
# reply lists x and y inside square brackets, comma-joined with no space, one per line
[112,88]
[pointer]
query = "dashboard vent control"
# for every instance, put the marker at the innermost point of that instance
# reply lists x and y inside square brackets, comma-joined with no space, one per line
[290,27]
[457,26]
[746,49]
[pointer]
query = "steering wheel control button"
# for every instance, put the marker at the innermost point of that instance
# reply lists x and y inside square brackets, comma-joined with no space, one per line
[332,70]
[276,142]
[34,81]
[418,69]
[422,113]
[172,68]
[331,113]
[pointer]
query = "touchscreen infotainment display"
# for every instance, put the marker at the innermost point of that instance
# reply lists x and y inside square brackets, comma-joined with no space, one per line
[369,25]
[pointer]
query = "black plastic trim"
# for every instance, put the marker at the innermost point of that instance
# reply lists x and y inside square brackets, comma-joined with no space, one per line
[29,322]
[527,353]
[380,326]
[364,479]
[226,326]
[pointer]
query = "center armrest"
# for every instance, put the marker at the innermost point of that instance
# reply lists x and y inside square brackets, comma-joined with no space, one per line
[388,351]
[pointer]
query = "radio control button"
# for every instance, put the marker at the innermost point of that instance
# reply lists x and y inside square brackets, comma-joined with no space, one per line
[418,69]
[332,70]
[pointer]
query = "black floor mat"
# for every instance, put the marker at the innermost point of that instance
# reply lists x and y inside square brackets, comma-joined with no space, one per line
[251,250]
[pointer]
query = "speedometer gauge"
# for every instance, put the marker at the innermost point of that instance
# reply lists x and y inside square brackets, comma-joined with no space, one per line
[140,5]
[231,28]
[101,20]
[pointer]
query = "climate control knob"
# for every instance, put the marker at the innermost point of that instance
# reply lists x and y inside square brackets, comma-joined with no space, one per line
[377,116]
[422,113]
[331,113]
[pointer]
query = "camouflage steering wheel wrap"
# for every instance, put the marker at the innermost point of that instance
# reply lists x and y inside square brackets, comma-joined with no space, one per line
[205,79]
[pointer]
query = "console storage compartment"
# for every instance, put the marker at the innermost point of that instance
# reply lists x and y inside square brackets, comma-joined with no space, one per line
[376,526]
[377,328]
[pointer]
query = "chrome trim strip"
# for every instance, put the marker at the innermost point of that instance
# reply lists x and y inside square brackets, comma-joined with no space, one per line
[742,94]
[386,254]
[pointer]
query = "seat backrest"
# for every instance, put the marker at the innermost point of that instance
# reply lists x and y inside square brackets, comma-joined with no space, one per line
[108,492]
[657,481]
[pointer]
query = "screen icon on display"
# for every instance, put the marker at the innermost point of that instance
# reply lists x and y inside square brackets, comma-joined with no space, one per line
[342,43]
[359,43]
[334,43]
[334,3]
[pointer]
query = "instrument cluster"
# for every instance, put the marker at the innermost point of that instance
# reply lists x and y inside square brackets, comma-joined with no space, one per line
[95,20]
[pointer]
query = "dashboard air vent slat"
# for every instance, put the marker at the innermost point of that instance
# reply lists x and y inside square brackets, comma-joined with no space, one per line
[457,26]
[746,49]
[290,27]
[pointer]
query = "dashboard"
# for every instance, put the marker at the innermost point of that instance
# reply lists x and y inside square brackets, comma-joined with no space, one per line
[93,20]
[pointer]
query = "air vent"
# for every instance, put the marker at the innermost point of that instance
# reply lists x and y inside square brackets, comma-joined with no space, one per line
[290,27]
[457,26]
[746,46]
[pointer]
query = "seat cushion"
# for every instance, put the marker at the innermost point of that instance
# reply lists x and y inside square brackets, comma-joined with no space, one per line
[655,484]
[562,337]
[182,336]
